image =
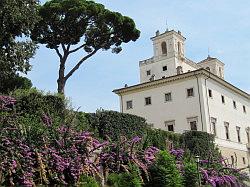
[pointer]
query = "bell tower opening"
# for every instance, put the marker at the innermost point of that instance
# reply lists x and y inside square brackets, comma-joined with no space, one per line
[164,48]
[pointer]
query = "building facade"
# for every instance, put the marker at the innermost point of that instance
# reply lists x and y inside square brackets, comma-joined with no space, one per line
[177,94]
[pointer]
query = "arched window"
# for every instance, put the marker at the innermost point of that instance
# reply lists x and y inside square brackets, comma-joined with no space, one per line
[179,47]
[164,48]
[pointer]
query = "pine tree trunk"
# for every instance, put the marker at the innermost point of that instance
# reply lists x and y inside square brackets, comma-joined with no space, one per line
[60,86]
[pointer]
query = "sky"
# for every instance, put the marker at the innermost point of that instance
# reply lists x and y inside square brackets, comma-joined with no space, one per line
[223,26]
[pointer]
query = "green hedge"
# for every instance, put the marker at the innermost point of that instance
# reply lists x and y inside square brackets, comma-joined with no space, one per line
[200,143]
[36,102]
[115,124]
[158,138]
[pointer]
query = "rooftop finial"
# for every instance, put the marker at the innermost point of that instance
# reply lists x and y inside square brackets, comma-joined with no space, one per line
[208,52]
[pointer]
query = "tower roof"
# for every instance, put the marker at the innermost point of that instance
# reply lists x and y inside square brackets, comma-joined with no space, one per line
[166,33]
[209,58]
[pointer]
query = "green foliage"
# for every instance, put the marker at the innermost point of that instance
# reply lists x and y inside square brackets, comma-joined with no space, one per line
[158,138]
[67,21]
[81,122]
[190,174]
[164,173]
[37,103]
[87,25]
[116,124]
[15,58]
[201,143]
[126,179]
[9,84]
[87,181]
[17,18]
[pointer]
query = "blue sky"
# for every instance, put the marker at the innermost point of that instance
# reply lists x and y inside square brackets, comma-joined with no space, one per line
[223,26]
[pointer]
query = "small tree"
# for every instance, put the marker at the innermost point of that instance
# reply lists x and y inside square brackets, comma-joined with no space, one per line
[86,25]
[164,173]
[190,174]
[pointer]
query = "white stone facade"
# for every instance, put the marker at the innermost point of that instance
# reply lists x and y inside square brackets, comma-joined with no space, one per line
[177,94]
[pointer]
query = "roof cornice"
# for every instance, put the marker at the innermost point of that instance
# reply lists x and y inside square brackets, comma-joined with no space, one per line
[199,72]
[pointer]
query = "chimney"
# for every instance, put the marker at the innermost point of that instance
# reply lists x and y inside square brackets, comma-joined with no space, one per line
[157,33]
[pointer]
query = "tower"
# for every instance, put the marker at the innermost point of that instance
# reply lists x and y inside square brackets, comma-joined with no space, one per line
[168,44]
[169,55]
[213,65]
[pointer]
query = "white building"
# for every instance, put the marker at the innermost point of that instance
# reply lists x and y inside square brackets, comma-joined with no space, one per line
[177,94]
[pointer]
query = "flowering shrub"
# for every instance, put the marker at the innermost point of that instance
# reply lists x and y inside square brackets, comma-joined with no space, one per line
[60,154]
[178,153]
[37,151]
[6,102]
[213,172]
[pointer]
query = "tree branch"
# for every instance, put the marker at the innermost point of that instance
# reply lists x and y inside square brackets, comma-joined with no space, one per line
[76,49]
[64,48]
[68,47]
[58,53]
[80,63]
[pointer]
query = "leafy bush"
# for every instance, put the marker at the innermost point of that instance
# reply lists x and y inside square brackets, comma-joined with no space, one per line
[9,84]
[87,181]
[201,144]
[130,178]
[37,103]
[190,174]
[158,138]
[114,124]
[164,173]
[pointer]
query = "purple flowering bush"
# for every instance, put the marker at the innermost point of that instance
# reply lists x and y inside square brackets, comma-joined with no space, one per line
[7,102]
[213,172]
[39,149]
[43,153]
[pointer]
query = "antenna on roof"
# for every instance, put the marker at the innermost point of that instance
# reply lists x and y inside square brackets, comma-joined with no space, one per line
[208,52]
[167,25]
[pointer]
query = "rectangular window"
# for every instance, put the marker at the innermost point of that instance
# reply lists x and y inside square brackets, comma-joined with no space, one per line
[148,72]
[171,128]
[213,123]
[210,93]
[148,101]
[248,136]
[170,125]
[238,133]
[234,103]
[223,99]
[129,105]
[168,97]
[227,130]
[244,109]
[243,160]
[164,68]
[190,92]
[193,123]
